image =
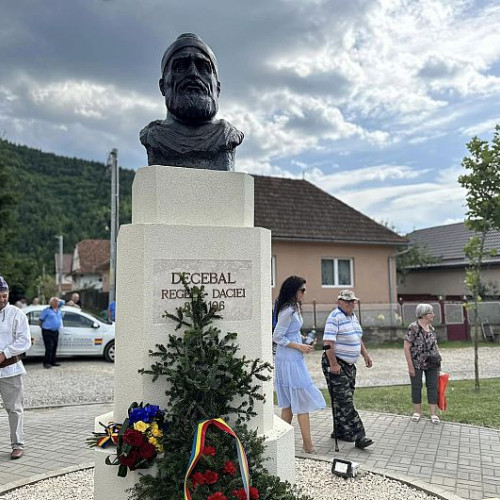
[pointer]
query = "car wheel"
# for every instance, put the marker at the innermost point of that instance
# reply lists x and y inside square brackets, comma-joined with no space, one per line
[109,352]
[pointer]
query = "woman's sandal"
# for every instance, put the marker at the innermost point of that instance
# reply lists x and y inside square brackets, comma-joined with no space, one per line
[415,417]
[435,419]
[309,452]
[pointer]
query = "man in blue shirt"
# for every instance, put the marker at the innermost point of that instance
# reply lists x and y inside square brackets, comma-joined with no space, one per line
[342,346]
[50,322]
[112,311]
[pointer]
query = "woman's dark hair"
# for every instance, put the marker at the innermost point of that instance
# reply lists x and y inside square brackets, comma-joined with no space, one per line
[288,292]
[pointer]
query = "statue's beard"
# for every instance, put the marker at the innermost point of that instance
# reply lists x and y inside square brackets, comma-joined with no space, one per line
[191,107]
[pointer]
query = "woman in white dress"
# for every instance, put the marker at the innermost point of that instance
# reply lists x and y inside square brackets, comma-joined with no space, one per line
[295,390]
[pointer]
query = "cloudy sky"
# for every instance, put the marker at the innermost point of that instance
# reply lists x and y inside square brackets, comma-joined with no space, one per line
[371,100]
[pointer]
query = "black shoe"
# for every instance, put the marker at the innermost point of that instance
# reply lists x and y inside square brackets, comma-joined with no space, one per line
[363,443]
[47,366]
[56,364]
[16,453]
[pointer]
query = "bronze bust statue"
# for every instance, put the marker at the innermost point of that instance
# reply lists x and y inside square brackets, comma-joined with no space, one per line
[190,136]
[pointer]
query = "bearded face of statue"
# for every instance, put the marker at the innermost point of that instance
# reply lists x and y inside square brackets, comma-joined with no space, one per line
[190,86]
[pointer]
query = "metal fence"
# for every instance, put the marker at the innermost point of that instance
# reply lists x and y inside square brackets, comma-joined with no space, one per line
[370,315]
[489,312]
[408,312]
[402,314]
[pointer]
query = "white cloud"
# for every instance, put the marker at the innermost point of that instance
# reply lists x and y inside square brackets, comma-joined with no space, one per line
[86,99]
[327,87]
[482,128]
[353,179]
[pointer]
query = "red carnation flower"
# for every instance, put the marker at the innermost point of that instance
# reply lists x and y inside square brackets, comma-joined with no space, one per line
[133,438]
[218,495]
[240,494]
[147,451]
[254,493]
[209,451]
[130,460]
[229,468]
[211,477]
[197,478]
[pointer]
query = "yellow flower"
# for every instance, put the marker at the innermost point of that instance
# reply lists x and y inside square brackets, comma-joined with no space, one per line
[155,430]
[156,444]
[141,426]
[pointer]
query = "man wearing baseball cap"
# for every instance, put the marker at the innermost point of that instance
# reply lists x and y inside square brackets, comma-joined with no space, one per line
[15,340]
[342,346]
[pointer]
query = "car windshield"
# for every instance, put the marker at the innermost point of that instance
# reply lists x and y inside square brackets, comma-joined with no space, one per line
[101,319]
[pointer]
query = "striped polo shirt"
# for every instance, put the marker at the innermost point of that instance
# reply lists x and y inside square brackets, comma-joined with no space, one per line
[346,332]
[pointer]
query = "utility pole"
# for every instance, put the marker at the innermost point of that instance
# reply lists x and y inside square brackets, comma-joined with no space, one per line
[60,266]
[42,296]
[115,222]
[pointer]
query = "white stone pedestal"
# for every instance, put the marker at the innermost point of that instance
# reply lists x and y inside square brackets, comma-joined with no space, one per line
[198,222]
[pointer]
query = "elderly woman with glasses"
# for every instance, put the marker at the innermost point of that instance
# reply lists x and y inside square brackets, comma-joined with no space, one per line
[422,355]
[295,390]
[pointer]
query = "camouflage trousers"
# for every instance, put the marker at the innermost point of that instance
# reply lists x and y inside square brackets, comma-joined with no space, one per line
[347,424]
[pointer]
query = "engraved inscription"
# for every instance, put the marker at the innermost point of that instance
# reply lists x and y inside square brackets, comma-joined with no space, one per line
[228,284]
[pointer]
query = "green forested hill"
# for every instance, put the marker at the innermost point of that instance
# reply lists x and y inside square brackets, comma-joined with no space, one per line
[43,195]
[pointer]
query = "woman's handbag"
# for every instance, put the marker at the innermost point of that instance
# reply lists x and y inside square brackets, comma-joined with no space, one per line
[433,360]
[442,384]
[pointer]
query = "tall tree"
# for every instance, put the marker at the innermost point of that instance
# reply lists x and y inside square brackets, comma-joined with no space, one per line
[483,215]
[8,206]
[414,256]
[16,268]
[43,195]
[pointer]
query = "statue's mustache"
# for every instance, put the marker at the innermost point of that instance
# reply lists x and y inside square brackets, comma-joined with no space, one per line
[191,83]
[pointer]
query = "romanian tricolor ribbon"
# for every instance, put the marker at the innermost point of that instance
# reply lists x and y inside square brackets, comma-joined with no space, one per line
[199,443]
[109,436]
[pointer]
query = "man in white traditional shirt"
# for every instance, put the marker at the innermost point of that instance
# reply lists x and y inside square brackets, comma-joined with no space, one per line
[15,340]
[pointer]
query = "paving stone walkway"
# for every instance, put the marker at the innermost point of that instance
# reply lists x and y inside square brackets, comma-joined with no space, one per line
[55,440]
[458,459]
[453,460]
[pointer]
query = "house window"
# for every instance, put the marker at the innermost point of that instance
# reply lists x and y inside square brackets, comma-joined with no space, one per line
[273,271]
[336,272]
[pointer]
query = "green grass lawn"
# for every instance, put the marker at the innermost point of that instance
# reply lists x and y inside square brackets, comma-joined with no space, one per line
[465,405]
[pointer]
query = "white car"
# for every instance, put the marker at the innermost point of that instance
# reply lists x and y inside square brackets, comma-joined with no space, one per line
[82,334]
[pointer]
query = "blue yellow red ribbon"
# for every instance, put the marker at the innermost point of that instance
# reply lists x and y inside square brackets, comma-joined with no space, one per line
[109,436]
[197,448]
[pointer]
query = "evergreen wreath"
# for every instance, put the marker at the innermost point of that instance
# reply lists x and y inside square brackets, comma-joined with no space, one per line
[207,379]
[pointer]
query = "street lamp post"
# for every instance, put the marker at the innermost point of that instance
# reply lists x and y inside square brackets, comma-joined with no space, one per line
[60,266]
[115,221]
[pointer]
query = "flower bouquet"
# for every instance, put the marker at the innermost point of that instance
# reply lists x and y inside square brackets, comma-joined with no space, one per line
[139,440]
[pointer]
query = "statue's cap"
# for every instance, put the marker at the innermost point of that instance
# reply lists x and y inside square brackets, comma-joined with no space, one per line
[188,40]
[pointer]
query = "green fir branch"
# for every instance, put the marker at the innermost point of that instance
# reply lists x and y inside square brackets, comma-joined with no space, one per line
[207,378]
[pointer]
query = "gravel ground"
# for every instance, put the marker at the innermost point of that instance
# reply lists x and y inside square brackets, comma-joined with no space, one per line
[390,368]
[85,380]
[75,486]
[76,381]
[315,479]
[90,380]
